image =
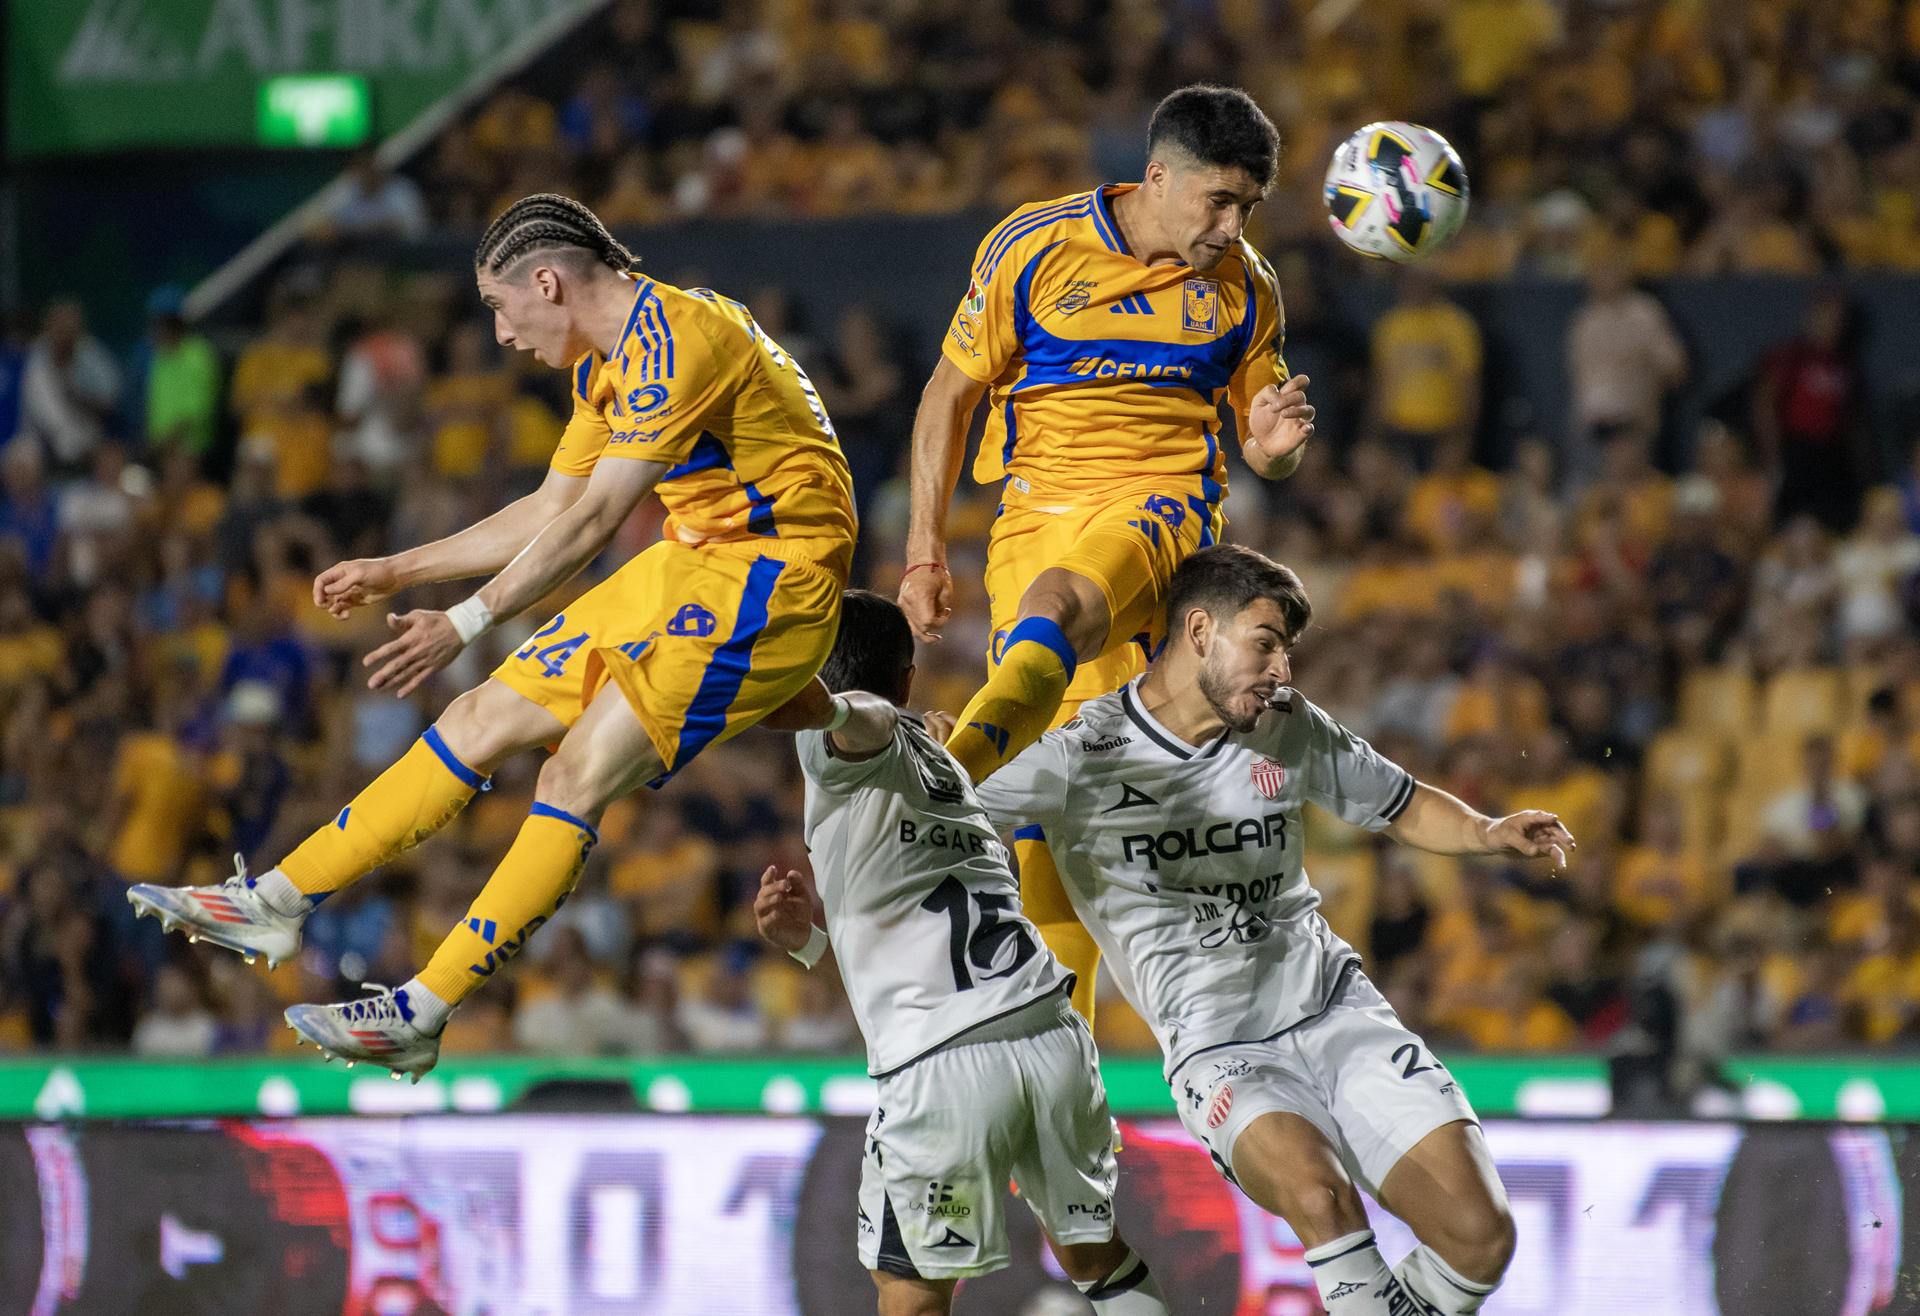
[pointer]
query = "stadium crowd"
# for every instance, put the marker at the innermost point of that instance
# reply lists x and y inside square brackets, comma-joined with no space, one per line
[1761,136]
[1713,675]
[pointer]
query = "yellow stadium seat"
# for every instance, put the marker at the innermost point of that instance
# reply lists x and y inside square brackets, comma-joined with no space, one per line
[776,987]
[1692,767]
[1767,765]
[1717,699]
[1805,700]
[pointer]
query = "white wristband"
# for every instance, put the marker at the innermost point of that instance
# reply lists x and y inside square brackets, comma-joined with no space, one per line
[842,710]
[816,946]
[470,618]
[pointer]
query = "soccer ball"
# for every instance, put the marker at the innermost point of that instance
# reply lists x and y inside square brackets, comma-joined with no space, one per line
[1396,190]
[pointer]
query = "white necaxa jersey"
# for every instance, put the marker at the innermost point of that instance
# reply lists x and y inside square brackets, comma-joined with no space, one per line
[922,908]
[1185,864]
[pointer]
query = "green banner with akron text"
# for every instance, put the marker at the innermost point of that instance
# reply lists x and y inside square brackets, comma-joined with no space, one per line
[53,1087]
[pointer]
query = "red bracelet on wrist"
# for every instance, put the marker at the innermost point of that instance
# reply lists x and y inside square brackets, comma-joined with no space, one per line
[921,566]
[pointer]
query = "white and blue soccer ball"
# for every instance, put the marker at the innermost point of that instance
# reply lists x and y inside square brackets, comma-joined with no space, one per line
[1396,190]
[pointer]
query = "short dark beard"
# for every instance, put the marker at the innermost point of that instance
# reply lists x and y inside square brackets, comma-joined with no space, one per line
[1214,691]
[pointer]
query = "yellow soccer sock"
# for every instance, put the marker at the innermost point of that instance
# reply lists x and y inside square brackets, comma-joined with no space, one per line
[1018,702]
[421,793]
[1044,901]
[534,879]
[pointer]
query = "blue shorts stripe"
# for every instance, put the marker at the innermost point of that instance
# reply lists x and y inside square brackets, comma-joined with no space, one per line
[1045,631]
[431,738]
[540,810]
[760,521]
[707,715]
[1031,832]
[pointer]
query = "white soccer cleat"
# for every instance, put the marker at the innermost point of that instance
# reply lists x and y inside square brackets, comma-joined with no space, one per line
[233,915]
[374,1028]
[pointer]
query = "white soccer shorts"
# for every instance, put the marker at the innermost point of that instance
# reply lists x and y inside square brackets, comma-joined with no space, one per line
[1019,1099]
[1354,1071]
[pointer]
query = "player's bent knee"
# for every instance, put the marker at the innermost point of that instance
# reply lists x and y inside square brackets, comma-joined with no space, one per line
[1087,1263]
[489,724]
[1074,603]
[577,782]
[1476,1238]
[1486,1241]
[912,1297]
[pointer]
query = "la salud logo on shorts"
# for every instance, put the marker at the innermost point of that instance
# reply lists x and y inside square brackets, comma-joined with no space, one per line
[1218,1108]
[1269,777]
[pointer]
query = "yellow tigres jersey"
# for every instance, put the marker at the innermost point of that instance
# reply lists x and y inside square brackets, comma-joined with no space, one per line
[1105,370]
[695,384]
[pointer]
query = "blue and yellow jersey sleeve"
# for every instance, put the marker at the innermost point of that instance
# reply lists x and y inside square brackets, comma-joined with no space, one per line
[696,385]
[1106,373]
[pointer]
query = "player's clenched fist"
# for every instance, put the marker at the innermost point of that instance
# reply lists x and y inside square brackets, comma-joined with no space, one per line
[926,596]
[783,909]
[348,585]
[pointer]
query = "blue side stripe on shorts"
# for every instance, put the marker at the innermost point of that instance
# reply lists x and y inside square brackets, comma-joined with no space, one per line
[727,669]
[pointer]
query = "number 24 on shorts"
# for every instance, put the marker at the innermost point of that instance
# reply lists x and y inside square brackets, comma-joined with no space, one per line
[553,657]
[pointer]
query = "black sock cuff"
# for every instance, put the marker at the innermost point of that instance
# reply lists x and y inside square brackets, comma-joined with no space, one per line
[1129,1274]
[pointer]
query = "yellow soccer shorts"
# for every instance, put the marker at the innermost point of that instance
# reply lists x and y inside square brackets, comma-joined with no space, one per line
[703,641]
[1129,546]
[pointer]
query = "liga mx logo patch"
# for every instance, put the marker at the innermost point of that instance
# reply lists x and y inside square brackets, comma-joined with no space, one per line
[1269,777]
[976,301]
[1200,305]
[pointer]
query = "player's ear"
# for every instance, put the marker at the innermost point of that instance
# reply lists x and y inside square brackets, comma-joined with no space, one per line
[1198,625]
[547,280]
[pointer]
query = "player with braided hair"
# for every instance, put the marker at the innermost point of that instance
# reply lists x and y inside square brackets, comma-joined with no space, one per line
[702,635]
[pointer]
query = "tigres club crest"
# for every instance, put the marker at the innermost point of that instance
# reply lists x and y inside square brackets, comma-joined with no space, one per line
[1200,305]
[1269,777]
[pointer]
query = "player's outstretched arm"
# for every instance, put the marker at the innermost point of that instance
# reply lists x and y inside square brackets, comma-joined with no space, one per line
[859,724]
[480,550]
[939,447]
[426,640]
[1278,423]
[1438,822]
[786,910]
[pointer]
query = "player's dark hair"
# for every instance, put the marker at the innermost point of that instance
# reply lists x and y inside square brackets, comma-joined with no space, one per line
[874,649]
[1223,580]
[1219,126]
[548,222]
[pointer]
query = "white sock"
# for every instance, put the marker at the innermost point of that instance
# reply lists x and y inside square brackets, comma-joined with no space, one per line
[281,895]
[1128,1291]
[1445,1289]
[1352,1275]
[424,1010]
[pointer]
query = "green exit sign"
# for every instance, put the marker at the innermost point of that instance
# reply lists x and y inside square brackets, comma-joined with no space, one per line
[327,109]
